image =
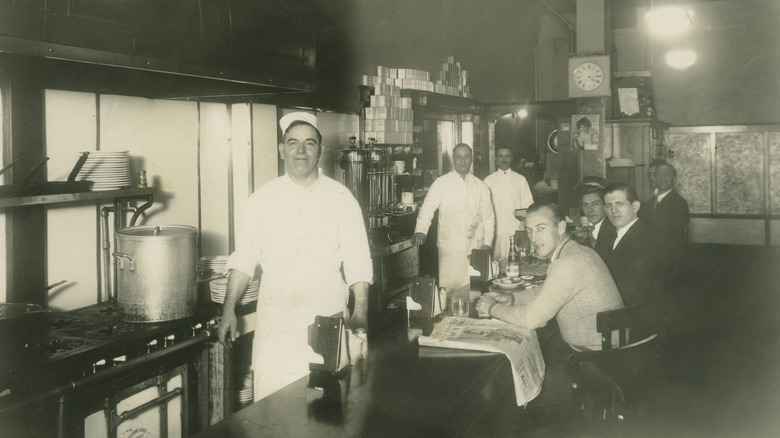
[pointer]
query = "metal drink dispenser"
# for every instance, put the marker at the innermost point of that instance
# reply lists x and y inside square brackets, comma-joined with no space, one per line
[353,163]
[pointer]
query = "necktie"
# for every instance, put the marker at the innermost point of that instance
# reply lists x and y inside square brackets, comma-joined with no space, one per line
[591,241]
[654,202]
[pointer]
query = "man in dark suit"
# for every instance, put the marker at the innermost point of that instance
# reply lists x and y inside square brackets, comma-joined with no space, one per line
[636,261]
[666,210]
[601,233]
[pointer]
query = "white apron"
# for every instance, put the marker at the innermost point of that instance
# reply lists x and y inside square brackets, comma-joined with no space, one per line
[286,307]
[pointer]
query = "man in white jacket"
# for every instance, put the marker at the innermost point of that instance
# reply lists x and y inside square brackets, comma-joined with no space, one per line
[466,220]
[509,191]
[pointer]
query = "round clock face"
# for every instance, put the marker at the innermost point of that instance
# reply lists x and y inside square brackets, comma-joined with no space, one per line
[588,76]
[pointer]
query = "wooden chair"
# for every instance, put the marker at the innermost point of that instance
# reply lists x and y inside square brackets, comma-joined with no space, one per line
[611,385]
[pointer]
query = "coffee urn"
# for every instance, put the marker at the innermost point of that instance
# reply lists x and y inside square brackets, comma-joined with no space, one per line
[370,176]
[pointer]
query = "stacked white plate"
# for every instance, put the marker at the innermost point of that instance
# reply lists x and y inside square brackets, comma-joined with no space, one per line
[218,290]
[210,265]
[245,395]
[108,170]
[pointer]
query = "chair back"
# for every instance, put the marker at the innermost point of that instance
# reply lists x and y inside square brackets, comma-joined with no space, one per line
[631,324]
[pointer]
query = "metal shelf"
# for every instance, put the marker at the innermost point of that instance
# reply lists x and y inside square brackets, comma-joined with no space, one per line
[21,201]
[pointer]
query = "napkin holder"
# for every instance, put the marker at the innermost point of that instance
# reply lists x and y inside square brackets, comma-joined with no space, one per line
[328,338]
[424,292]
[482,263]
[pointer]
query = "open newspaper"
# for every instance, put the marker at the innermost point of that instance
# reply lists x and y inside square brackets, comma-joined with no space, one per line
[520,345]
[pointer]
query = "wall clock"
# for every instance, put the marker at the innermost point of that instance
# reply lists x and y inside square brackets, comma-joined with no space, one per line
[589,76]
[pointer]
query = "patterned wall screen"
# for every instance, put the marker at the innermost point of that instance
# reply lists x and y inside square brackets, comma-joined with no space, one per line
[692,160]
[739,172]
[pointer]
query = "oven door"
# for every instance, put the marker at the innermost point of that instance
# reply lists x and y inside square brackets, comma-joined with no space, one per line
[154,407]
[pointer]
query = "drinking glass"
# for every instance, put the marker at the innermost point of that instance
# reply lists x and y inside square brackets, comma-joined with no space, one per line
[460,307]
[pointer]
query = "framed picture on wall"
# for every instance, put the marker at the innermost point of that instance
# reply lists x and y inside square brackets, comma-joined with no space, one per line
[585,132]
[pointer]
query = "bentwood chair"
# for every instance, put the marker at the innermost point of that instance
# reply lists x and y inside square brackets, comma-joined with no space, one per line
[611,386]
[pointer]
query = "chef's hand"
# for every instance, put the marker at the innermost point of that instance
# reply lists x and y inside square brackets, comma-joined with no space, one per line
[418,238]
[227,328]
[483,305]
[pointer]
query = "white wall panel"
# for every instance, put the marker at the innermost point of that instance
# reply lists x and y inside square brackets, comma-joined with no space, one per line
[727,231]
[265,143]
[214,153]
[72,240]
[775,233]
[162,137]
[241,155]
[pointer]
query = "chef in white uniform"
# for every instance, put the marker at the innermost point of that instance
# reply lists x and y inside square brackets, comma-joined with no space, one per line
[466,219]
[509,191]
[306,232]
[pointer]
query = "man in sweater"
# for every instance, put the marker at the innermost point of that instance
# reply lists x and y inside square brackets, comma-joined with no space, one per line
[578,285]
[509,191]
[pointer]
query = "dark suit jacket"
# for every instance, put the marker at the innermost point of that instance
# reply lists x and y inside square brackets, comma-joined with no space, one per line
[605,239]
[670,216]
[637,264]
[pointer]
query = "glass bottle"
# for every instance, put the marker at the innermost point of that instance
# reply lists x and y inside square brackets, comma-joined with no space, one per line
[513,261]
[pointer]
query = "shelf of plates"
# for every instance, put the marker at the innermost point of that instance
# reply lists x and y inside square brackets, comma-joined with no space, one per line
[60,198]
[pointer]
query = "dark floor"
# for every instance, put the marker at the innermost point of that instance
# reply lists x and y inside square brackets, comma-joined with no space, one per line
[724,377]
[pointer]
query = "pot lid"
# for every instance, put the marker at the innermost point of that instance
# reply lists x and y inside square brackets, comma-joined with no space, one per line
[157,231]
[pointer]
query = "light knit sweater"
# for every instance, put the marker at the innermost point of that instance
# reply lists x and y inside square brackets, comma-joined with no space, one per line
[578,286]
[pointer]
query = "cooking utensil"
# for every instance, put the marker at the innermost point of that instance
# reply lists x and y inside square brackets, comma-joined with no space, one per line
[156,272]
[21,321]
[27,188]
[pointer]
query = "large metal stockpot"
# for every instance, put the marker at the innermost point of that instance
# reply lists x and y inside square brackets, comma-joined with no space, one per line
[156,272]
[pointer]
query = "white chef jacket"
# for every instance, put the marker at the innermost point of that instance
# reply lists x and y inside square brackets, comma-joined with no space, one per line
[509,191]
[302,238]
[466,218]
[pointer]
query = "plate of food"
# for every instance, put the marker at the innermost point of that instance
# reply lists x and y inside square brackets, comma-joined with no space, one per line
[508,282]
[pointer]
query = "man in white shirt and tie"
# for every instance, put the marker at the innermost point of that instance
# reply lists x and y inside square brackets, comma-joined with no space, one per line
[637,261]
[509,191]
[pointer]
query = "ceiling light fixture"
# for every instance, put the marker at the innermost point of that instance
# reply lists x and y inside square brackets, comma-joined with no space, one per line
[669,20]
[681,59]
[522,113]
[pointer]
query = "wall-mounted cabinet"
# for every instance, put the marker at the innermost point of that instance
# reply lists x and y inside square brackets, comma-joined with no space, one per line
[635,144]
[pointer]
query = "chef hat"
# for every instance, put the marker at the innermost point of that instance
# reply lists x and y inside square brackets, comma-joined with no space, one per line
[299,116]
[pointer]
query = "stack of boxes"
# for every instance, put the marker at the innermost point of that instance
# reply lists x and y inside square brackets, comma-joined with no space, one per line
[389,118]
[453,80]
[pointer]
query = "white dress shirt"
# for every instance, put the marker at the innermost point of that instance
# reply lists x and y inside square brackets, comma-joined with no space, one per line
[594,228]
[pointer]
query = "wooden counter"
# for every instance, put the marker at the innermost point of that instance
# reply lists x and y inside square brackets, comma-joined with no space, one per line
[400,390]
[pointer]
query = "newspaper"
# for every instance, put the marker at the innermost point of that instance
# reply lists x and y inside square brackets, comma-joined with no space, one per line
[519,344]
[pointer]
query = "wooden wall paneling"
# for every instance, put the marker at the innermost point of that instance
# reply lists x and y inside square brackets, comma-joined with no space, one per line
[25,231]
[773,145]
[739,167]
[693,162]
